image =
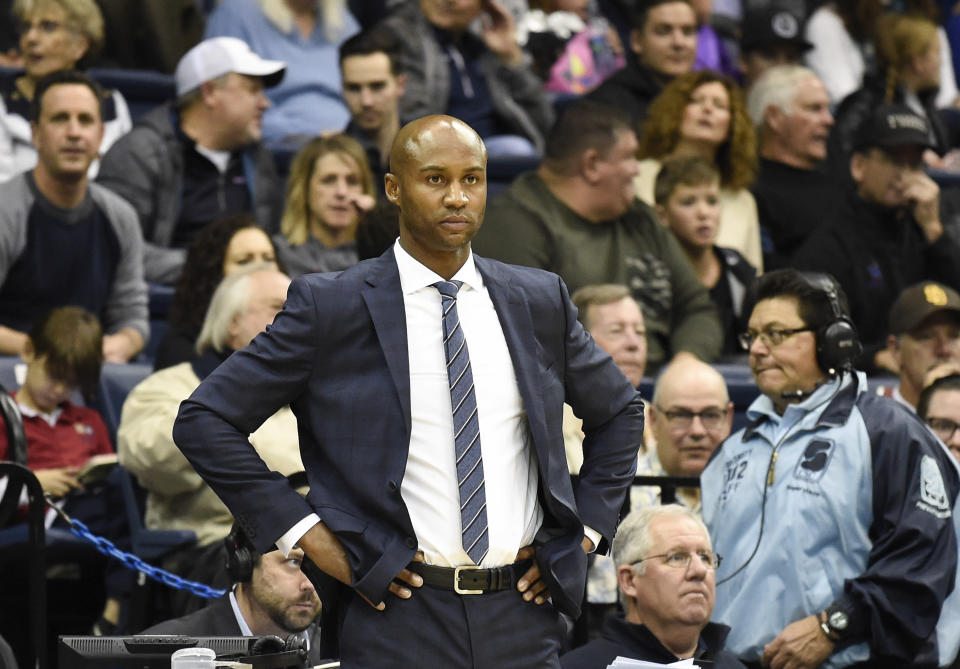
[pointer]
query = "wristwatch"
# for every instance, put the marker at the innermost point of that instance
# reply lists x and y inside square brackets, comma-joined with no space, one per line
[835,623]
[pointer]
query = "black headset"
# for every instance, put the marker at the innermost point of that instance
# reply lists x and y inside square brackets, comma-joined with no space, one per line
[837,342]
[241,556]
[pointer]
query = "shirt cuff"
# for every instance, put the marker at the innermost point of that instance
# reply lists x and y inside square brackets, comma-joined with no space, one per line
[593,536]
[288,540]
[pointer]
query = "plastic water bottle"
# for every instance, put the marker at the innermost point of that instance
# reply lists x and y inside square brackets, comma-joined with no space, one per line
[193,658]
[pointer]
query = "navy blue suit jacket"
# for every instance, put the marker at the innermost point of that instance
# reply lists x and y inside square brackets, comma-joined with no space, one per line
[337,354]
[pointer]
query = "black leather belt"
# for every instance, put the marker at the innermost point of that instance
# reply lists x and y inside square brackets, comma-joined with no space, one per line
[471,580]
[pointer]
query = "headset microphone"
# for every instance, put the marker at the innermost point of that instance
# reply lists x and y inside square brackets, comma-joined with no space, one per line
[798,395]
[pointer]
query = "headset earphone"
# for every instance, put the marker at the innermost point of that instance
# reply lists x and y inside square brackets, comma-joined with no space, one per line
[837,347]
[837,342]
[241,556]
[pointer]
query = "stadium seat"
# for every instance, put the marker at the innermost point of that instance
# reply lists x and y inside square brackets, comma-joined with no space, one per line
[142,89]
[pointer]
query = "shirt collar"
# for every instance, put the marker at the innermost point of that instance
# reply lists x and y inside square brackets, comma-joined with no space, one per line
[415,276]
[242,623]
[50,418]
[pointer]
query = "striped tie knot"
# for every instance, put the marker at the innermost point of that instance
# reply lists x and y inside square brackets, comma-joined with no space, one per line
[448,289]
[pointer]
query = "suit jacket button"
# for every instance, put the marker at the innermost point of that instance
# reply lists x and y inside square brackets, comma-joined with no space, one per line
[411,542]
[392,486]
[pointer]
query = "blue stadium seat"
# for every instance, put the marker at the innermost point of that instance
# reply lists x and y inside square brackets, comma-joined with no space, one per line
[142,89]
[502,170]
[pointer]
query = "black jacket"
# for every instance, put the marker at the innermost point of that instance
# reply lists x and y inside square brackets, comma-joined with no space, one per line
[790,205]
[876,252]
[620,638]
[736,278]
[630,89]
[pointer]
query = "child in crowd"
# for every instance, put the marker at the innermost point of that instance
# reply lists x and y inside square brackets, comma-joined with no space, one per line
[64,354]
[687,196]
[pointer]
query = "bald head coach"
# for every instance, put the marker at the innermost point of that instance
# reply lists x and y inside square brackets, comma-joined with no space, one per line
[428,386]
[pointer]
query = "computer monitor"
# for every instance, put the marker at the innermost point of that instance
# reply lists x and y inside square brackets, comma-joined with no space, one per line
[154,651]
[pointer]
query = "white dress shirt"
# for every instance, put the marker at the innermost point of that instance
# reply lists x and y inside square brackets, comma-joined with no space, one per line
[429,488]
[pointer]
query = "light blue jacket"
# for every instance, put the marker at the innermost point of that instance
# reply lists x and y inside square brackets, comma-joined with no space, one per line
[858,514]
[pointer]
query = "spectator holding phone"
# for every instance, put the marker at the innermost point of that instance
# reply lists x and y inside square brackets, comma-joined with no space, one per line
[330,188]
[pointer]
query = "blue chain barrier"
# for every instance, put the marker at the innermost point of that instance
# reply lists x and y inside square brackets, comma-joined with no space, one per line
[108,548]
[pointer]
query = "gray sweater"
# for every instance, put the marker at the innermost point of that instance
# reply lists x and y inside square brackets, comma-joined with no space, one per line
[126,304]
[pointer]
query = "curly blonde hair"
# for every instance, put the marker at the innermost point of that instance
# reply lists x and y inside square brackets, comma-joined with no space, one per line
[295,224]
[737,156]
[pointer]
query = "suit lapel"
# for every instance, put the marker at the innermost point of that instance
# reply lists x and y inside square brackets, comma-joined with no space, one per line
[517,325]
[384,300]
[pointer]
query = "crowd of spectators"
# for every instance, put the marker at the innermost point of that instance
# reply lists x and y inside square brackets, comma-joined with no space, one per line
[691,158]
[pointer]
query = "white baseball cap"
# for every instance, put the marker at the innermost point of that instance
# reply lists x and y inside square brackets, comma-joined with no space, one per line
[218,56]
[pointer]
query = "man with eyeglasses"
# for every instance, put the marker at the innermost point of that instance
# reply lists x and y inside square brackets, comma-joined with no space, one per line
[690,415]
[834,507]
[666,571]
[939,407]
[887,233]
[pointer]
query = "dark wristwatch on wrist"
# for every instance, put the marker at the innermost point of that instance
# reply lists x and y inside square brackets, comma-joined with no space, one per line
[835,623]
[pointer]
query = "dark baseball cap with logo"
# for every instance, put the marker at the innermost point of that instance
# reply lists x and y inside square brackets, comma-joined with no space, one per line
[893,125]
[773,23]
[920,301]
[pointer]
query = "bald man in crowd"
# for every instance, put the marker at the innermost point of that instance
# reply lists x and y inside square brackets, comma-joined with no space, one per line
[440,553]
[690,415]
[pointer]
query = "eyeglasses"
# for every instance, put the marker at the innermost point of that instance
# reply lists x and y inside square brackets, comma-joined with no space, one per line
[681,559]
[769,337]
[682,419]
[943,427]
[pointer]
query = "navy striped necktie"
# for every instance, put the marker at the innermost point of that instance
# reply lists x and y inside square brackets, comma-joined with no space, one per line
[466,427]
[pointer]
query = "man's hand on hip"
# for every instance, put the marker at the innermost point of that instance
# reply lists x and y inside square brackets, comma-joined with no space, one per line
[530,584]
[801,645]
[322,546]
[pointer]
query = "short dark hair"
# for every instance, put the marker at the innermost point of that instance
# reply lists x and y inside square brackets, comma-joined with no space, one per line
[949,382]
[583,125]
[813,302]
[64,77]
[375,40]
[641,10]
[683,171]
[70,340]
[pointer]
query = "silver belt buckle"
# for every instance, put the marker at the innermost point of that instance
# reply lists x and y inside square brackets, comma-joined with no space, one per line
[456,580]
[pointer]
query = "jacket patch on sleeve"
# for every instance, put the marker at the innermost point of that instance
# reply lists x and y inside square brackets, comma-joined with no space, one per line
[933,493]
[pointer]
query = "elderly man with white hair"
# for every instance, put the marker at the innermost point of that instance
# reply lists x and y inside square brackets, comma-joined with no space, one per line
[243,305]
[666,573]
[791,110]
